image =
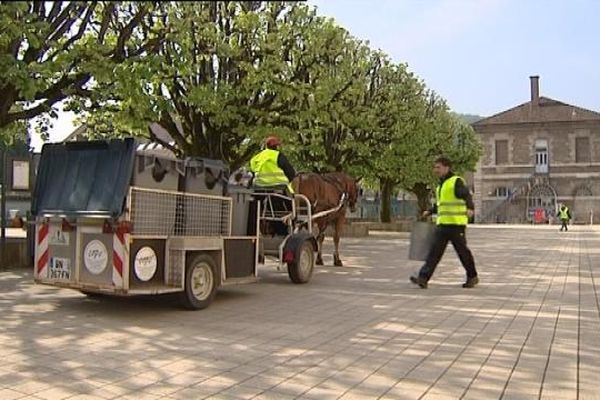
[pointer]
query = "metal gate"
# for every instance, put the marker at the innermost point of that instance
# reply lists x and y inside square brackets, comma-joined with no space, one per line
[541,202]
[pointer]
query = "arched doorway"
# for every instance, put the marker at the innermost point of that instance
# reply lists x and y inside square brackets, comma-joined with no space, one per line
[582,203]
[541,203]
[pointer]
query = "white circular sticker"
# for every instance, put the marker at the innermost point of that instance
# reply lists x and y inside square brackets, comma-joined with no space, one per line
[95,257]
[145,263]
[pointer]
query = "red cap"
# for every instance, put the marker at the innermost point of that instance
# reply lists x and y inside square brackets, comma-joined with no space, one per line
[272,141]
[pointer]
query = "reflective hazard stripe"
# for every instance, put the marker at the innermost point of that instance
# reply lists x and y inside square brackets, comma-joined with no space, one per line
[271,178]
[119,257]
[270,174]
[42,253]
[459,213]
[451,203]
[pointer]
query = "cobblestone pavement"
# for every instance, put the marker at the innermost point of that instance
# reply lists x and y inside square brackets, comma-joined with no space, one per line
[530,330]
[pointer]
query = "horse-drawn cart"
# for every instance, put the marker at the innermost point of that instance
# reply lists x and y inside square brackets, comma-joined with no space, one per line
[286,223]
[114,218]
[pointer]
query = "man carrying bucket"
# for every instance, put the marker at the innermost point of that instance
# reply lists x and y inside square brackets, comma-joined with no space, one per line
[454,207]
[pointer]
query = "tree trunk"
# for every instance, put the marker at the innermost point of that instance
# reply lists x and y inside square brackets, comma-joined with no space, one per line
[385,213]
[423,195]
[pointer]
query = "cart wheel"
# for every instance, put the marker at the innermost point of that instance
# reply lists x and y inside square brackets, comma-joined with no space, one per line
[200,283]
[300,270]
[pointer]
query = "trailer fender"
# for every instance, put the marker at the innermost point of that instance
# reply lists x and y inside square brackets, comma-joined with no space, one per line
[294,242]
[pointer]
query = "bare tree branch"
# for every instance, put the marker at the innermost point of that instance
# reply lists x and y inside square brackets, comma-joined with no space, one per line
[119,52]
[108,10]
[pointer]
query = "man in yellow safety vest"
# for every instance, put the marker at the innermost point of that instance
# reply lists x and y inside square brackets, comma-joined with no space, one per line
[564,214]
[271,167]
[454,206]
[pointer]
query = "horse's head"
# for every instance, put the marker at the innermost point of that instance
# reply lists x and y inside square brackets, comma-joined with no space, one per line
[351,186]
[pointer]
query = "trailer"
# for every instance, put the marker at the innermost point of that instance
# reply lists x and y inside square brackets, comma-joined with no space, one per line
[118,218]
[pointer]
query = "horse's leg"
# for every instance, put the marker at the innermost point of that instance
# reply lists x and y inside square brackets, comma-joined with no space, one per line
[337,232]
[320,239]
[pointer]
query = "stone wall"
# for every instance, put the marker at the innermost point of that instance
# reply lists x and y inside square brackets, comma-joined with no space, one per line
[576,184]
[360,229]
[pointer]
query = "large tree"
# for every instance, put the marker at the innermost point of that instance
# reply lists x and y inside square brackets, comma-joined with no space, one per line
[422,129]
[228,74]
[450,137]
[234,72]
[55,51]
[400,118]
[337,126]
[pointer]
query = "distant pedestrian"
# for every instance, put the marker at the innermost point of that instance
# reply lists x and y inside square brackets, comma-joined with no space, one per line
[454,206]
[564,214]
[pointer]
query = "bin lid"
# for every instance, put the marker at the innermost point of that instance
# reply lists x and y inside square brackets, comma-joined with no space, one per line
[83,178]
[198,162]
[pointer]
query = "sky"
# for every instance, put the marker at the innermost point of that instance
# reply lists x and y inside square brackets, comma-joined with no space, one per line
[479,54]
[476,54]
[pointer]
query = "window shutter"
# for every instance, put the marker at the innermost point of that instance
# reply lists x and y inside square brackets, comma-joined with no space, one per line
[501,152]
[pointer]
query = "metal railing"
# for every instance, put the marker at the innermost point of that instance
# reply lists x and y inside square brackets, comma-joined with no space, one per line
[515,192]
[169,213]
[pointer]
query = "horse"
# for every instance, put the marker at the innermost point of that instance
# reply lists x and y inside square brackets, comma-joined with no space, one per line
[324,192]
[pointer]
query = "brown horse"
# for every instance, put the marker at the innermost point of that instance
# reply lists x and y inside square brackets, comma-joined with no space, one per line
[324,193]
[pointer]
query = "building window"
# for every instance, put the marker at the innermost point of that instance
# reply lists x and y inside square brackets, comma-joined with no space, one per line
[501,191]
[541,156]
[501,152]
[582,150]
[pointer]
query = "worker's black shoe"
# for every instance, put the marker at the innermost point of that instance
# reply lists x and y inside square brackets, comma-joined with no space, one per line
[419,281]
[471,282]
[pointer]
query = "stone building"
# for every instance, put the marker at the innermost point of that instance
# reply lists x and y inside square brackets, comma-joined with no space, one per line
[536,156]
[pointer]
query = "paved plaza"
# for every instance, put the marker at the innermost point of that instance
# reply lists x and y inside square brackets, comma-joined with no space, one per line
[530,330]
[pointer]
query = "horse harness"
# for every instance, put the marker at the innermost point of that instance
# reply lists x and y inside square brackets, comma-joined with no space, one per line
[338,185]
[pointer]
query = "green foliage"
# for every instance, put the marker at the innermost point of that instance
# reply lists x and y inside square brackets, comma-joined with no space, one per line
[219,77]
[222,79]
[13,137]
[336,126]
[420,128]
[49,52]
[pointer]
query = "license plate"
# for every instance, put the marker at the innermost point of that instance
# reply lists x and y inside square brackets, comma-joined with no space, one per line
[60,269]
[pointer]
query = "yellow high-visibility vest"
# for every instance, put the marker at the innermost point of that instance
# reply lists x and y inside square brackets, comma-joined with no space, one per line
[266,171]
[450,209]
[563,213]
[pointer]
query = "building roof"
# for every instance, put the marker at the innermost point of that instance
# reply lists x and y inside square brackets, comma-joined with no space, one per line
[547,110]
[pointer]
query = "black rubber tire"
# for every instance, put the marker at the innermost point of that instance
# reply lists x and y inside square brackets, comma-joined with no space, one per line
[300,270]
[201,283]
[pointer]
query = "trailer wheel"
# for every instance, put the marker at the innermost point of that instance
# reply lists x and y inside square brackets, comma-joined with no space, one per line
[200,282]
[301,268]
